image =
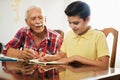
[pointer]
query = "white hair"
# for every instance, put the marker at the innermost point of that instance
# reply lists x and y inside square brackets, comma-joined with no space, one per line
[33,7]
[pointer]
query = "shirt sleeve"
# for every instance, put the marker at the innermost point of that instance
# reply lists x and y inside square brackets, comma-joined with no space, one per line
[63,46]
[102,47]
[59,43]
[15,42]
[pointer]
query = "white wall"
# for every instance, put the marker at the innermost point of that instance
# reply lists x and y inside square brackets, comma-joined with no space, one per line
[104,13]
[13,12]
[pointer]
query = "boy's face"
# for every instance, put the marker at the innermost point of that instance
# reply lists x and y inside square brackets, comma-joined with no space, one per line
[36,20]
[77,24]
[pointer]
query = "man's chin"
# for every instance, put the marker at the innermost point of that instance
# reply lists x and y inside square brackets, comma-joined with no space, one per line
[38,31]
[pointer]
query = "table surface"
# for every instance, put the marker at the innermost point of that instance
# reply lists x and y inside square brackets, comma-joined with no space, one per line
[25,71]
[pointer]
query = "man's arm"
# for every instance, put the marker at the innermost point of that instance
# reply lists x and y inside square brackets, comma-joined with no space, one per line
[25,54]
[11,52]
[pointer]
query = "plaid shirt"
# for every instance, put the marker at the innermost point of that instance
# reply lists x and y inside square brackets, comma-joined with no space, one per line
[24,39]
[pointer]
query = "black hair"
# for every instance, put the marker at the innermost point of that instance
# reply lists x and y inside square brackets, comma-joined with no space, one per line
[78,8]
[1,47]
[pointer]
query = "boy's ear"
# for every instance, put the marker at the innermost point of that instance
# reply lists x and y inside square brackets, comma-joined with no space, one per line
[87,19]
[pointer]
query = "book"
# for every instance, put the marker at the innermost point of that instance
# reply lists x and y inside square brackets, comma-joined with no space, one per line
[36,61]
[32,61]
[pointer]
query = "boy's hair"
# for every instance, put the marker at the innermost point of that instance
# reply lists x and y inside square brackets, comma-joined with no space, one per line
[78,8]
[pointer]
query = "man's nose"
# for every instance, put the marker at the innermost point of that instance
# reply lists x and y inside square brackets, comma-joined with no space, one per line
[37,20]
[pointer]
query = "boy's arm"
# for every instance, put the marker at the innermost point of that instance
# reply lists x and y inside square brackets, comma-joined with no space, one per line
[101,62]
[55,57]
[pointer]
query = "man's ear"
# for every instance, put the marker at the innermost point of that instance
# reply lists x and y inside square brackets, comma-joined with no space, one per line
[26,21]
[45,18]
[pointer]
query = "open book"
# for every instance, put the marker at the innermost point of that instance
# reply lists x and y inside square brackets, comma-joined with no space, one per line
[32,61]
[36,61]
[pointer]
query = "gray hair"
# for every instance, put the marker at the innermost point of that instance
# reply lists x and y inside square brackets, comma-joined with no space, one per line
[31,8]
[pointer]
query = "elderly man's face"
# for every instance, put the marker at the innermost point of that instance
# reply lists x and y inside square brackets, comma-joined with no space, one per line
[36,20]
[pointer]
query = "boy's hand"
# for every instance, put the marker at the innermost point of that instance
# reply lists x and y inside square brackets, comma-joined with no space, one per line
[46,58]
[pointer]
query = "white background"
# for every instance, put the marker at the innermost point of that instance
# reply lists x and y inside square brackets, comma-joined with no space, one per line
[104,13]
